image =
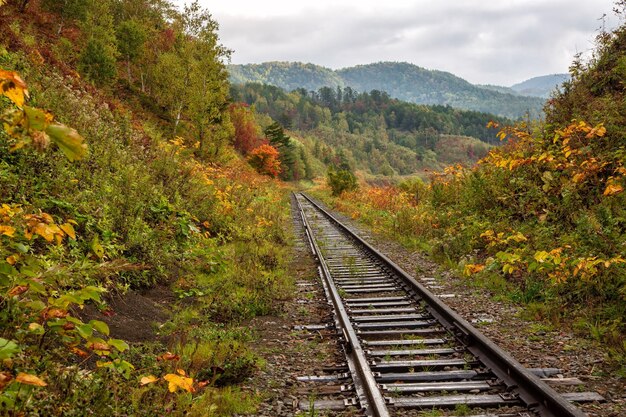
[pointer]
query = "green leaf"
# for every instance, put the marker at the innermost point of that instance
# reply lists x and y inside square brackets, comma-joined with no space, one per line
[91,292]
[97,248]
[100,326]
[7,269]
[37,287]
[85,330]
[21,247]
[68,140]
[118,344]
[8,348]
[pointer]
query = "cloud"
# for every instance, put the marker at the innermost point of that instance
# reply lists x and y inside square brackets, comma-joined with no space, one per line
[484,42]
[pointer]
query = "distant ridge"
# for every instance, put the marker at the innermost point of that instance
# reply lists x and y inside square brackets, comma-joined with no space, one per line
[401,80]
[540,86]
[286,75]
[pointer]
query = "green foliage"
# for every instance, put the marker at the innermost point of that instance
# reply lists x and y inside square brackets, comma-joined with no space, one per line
[341,179]
[97,60]
[138,210]
[378,134]
[130,39]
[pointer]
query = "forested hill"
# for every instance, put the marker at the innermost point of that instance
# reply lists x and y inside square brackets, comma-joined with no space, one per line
[540,86]
[287,75]
[374,132]
[401,80]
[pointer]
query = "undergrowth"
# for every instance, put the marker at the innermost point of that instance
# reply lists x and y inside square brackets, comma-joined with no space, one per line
[138,211]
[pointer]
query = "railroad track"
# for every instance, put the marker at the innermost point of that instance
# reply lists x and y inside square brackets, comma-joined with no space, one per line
[406,350]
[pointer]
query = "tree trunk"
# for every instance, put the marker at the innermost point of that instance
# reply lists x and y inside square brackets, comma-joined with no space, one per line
[130,81]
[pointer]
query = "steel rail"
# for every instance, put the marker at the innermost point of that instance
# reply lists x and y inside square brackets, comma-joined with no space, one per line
[362,374]
[534,393]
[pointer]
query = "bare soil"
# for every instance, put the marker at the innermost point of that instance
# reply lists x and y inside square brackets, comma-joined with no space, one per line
[134,316]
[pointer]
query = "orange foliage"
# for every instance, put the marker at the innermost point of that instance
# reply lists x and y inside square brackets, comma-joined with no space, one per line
[265,160]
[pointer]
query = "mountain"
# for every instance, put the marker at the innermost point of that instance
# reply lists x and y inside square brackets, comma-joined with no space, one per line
[400,80]
[540,86]
[287,75]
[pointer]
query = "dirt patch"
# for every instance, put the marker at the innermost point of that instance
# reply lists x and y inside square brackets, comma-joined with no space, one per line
[135,316]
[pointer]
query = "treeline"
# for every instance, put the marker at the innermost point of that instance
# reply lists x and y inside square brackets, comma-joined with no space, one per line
[375,132]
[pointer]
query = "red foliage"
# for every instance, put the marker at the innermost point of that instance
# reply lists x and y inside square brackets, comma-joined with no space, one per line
[247,132]
[167,39]
[265,160]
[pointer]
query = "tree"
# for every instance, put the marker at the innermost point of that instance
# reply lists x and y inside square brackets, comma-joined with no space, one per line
[97,63]
[247,131]
[276,136]
[342,179]
[265,159]
[130,39]
[68,10]
[97,60]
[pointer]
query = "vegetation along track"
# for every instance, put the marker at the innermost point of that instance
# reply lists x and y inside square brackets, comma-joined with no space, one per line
[406,349]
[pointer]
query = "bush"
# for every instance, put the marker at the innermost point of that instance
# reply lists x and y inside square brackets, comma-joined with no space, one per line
[341,180]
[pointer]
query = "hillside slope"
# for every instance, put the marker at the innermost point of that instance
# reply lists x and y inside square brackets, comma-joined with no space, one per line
[287,75]
[125,271]
[375,133]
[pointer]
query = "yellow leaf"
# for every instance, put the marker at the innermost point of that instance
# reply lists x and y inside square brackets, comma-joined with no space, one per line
[148,379]
[97,248]
[13,87]
[471,269]
[12,260]
[29,379]
[177,381]
[7,231]
[69,230]
[34,327]
[46,231]
[613,188]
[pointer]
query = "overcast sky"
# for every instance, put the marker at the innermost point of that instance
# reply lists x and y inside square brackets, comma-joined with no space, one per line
[484,41]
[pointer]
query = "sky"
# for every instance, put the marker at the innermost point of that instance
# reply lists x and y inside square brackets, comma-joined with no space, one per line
[498,42]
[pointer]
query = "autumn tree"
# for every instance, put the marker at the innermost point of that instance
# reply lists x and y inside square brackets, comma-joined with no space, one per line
[276,136]
[265,159]
[247,132]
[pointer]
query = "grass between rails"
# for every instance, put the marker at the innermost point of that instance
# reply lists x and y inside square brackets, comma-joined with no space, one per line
[142,212]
